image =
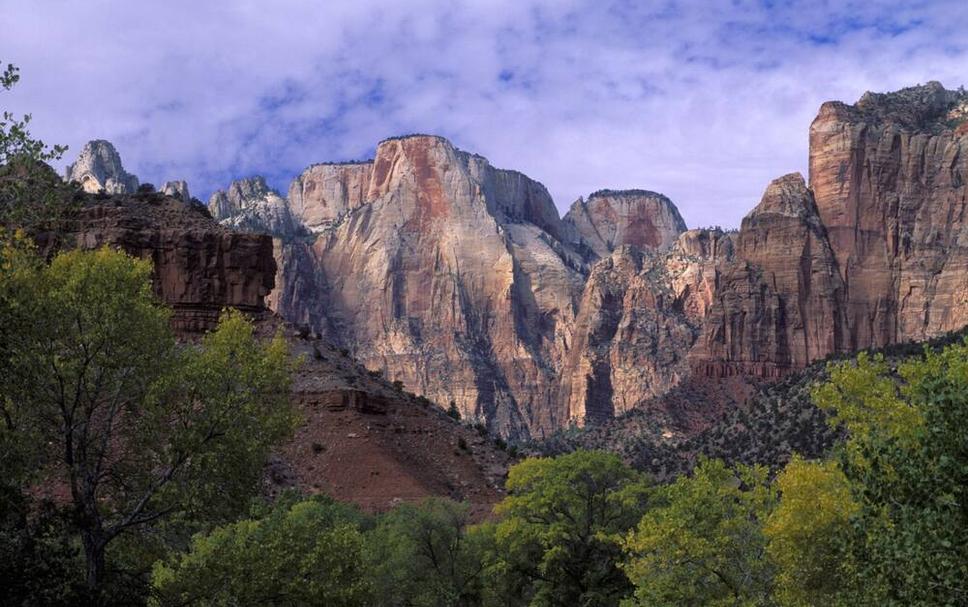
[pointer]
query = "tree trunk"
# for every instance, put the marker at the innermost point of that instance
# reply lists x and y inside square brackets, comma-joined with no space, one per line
[94,555]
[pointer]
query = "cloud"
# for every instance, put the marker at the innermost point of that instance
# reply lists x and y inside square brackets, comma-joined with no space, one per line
[705,101]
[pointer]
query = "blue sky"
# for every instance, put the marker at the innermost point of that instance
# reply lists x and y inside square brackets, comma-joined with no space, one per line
[705,101]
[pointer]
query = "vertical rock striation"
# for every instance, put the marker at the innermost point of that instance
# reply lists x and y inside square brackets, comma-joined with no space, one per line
[460,280]
[889,177]
[779,304]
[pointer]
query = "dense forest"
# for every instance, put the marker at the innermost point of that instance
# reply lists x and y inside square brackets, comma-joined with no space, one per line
[131,467]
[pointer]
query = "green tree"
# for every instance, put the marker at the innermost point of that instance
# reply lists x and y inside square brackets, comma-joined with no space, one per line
[136,428]
[15,139]
[31,194]
[560,538]
[907,463]
[427,555]
[303,553]
[806,533]
[702,543]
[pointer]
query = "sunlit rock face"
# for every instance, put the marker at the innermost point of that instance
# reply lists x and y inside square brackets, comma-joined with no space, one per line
[98,168]
[322,194]
[442,278]
[610,219]
[889,177]
[460,280]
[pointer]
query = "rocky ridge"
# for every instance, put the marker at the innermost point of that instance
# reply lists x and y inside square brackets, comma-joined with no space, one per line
[362,438]
[461,281]
[610,219]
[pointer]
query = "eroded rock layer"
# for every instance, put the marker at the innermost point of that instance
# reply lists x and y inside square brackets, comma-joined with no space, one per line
[460,280]
[889,177]
[610,219]
[200,267]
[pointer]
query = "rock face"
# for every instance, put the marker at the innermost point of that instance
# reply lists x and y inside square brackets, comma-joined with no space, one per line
[779,304]
[889,177]
[460,280]
[324,193]
[610,219]
[200,267]
[441,278]
[177,189]
[630,338]
[98,167]
[250,205]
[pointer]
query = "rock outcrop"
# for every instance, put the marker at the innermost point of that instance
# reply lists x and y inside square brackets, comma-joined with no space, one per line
[200,267]
[779,305]
[322,194]
[251,205]
[610,219]
[889,177]
[441,278]
[461,281]
[98,168]
[630,338]
[177,189]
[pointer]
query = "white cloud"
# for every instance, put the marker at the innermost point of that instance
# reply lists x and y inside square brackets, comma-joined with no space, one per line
[705,101]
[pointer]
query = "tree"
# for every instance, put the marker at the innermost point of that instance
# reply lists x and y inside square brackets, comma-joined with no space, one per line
[560,538]
[136,428]
[304,553]
[907,464]
[31,194]
[806,533]
[702,543]
[427,555]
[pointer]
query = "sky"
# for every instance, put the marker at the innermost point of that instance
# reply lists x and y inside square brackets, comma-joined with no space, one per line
[705,101]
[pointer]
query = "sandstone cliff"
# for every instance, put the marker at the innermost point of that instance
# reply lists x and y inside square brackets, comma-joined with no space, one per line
[441,277]
[612,218]
[888,175]
[200,267]
[779,305]
[460,280]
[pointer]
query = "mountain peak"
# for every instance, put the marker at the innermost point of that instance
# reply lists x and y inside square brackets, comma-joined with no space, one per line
[98,167]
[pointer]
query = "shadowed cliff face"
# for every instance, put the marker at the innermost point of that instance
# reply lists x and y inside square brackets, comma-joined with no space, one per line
[200,267]
[779,305]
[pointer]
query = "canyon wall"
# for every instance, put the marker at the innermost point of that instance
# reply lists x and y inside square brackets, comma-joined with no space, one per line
[460,280]
[889,178]
[200,267]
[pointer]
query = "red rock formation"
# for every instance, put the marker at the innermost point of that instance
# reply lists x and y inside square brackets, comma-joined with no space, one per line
[889,176]
[200,267]
[779,304]
[610,219]
[448,278]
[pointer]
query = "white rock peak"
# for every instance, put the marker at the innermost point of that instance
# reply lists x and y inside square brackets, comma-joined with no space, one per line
[98,168]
